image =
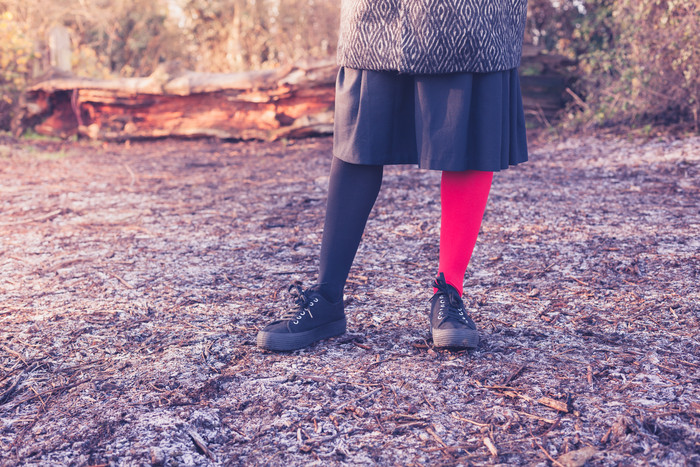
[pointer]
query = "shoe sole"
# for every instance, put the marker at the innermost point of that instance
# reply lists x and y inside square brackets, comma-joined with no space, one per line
[457,338]
[285,342]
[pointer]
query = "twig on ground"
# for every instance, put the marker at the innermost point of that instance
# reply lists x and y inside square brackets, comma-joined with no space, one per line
[199,442]
[41,218]
[457,417]
[491,447]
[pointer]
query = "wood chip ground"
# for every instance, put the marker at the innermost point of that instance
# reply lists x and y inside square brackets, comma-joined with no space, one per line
[134,277]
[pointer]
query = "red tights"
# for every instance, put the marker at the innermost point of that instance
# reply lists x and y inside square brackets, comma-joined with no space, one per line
[463,196]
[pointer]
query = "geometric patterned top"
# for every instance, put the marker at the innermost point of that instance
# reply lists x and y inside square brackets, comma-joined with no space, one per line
[431,36]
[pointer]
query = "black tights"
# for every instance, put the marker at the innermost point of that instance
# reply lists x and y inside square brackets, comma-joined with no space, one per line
[351,194]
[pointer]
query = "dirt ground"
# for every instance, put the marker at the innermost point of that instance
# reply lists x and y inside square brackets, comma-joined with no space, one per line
[134,277]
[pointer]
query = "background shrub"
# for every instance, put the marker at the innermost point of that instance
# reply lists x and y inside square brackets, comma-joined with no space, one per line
[16,58]
[639,63]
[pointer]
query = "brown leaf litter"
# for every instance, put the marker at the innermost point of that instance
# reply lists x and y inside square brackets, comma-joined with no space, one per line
[134,277]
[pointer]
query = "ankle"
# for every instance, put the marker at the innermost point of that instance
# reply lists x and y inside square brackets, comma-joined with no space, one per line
[448,281]
[332,294]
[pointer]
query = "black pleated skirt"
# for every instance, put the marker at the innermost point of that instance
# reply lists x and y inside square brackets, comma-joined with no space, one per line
[454,122]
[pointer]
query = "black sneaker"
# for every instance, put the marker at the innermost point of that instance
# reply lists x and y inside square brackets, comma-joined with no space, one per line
[313,318]
[450,324]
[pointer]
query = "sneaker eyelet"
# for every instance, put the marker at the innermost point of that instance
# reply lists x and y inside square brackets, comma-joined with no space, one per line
[295,322]
[316,299]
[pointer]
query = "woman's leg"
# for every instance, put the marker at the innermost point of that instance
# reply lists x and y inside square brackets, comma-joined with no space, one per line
[352,192]
[318,312]
[463,196]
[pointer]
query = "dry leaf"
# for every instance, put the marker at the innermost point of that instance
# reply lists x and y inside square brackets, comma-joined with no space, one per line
[577,458]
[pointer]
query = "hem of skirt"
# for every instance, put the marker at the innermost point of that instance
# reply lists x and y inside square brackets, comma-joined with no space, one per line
[450,168]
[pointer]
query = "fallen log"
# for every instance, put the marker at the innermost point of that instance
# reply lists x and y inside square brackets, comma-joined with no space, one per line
[289,102]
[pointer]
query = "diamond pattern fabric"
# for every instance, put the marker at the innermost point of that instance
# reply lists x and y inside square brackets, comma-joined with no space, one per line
[431,36]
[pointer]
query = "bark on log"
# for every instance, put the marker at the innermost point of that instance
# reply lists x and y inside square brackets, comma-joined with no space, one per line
[289,102]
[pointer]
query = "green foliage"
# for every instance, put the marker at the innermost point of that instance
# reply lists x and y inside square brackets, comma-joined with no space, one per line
[122,37]
[553,27]
[31,135]
[236,35]
[640,62]
[16,56]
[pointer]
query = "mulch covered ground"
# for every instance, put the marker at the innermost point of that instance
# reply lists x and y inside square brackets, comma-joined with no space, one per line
[134,277]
